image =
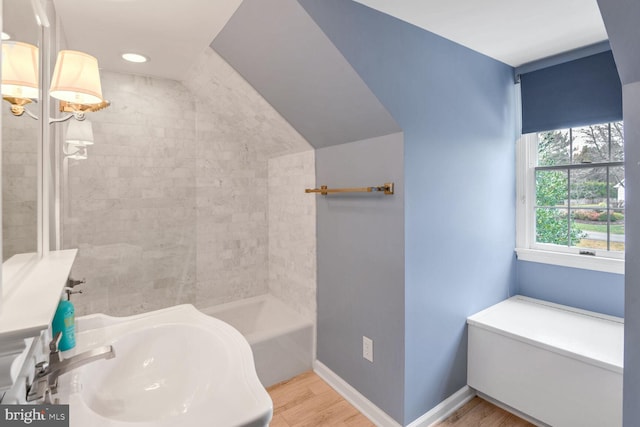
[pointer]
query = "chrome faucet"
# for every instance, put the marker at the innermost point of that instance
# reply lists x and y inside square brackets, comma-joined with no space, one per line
[45,382]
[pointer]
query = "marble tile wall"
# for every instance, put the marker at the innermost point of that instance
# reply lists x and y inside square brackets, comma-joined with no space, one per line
[292,231]
[172,205]
[130,207]
[237,132]
[19,185]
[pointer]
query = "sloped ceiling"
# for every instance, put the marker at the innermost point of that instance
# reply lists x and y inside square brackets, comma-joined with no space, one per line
[282,53]
[622,18]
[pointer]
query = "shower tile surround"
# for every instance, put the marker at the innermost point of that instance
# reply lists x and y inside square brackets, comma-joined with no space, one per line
[130,207]
[292,228]
[175,203]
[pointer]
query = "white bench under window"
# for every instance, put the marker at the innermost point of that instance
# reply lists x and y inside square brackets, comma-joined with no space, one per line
[558,365]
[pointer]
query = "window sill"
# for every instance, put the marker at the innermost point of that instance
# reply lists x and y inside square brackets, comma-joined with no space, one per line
[586,262]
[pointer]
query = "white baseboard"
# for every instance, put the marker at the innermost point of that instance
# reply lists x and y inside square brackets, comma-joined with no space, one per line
[445,408]
[353,396]
[377,415]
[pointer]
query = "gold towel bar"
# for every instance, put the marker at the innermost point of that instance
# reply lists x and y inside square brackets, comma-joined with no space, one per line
[387,188]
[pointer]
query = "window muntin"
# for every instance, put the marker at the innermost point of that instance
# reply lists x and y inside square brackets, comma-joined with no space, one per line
[579,190]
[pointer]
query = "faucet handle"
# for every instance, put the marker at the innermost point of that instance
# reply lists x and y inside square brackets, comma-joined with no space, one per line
[53,345]
[41,368]
[54,354]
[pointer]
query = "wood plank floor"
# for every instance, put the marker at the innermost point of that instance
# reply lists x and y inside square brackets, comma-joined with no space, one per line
[478,412]
[307,400]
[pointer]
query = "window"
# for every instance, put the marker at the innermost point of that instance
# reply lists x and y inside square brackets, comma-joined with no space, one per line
[571,197]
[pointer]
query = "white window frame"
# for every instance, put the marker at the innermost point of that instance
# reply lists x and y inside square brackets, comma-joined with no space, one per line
[527,249]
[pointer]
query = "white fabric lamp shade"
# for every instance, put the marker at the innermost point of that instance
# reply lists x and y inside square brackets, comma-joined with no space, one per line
[79,133]
[76,78]
[19,70]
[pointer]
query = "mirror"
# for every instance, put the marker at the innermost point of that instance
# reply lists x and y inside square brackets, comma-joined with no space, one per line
[20,141]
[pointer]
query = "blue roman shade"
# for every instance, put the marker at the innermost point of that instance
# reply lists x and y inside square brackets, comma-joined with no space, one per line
[575,93]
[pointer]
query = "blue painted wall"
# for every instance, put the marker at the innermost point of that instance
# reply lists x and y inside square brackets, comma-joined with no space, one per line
[621,20]
[585,289]
[361,268]
[456,108]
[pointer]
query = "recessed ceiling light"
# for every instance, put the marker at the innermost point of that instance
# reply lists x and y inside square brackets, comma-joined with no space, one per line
[5,36]
[134,57]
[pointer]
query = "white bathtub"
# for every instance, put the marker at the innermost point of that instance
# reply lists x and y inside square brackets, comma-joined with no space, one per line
[280,338]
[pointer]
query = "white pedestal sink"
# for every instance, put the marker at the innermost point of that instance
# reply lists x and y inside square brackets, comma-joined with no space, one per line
[173,367]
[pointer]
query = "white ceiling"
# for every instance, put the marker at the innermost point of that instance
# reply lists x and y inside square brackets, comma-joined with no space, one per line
[512,31]
[173,33]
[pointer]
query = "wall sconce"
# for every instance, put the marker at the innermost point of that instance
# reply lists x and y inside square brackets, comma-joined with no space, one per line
[79,135]
[19,75]
[75,82]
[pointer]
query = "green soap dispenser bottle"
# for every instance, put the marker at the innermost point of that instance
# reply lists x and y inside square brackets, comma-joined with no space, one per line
[64,321]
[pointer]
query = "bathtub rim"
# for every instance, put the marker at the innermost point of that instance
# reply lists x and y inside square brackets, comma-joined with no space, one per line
[301,321]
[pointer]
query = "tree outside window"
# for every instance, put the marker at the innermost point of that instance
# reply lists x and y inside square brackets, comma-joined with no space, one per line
[580,187]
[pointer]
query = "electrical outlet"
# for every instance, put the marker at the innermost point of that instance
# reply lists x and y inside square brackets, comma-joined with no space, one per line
[367,348]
